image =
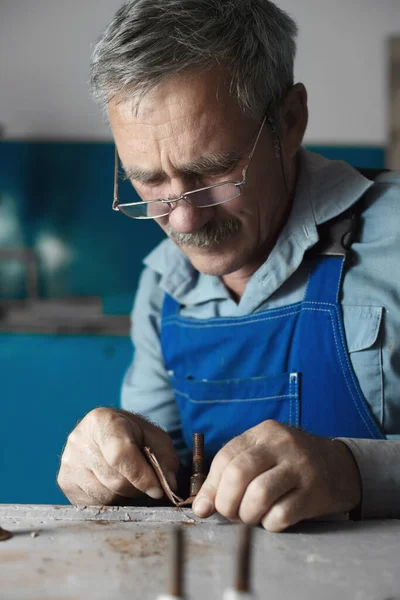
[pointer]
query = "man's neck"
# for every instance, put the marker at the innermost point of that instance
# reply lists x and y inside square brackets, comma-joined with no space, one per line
[236,282]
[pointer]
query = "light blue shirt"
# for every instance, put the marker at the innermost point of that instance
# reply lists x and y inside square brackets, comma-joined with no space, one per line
[370,302]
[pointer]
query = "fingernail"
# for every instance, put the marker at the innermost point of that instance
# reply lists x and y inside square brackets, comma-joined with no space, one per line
[172,480]
[155,493]
[202,507]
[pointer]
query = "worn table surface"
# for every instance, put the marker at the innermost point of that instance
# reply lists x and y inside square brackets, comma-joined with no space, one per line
[121,553]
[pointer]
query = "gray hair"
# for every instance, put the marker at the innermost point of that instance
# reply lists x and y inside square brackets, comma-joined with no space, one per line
[149,41]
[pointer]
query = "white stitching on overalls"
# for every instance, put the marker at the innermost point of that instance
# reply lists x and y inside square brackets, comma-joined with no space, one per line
[226,400]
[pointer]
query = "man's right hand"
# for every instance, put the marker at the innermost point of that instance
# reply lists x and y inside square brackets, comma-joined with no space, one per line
[102,462]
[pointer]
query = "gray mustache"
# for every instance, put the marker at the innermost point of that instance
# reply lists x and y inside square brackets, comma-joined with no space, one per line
[211,233]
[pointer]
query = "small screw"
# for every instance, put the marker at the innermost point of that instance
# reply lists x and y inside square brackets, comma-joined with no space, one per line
[177,560]
[198,477]
[243,565]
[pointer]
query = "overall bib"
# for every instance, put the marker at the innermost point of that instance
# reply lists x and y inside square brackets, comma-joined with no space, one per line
[290,364]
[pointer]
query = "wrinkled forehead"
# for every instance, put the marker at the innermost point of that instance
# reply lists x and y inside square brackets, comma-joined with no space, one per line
[185,117]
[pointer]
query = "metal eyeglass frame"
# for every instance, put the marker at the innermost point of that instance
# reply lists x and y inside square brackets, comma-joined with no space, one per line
[116,205]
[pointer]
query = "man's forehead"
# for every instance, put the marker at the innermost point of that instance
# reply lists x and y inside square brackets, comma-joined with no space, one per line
[175,128]
[185,147]
[200,102]
[173,122]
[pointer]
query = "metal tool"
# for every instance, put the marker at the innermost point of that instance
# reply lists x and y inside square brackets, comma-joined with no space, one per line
[176,567]
[242,589]
[198,477]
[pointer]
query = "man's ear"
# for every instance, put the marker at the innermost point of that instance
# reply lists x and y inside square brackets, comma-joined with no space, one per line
[293,119]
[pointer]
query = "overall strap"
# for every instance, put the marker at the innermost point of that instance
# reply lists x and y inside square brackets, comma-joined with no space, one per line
[170,307]
[329,255]
[325,279]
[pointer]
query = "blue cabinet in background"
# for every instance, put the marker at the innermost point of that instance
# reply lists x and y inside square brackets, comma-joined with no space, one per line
[48,383]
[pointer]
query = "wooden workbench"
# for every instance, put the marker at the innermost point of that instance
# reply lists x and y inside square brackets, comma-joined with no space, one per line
[67,553]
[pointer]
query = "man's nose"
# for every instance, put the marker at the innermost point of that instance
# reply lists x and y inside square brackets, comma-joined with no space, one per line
[186,218]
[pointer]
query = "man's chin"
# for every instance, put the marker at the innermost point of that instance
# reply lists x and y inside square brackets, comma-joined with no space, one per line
[212,260]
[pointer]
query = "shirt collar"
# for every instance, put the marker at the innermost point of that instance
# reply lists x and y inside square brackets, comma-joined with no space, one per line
[324,190]
[180,279]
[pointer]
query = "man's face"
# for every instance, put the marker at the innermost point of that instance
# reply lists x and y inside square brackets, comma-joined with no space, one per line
[167,149]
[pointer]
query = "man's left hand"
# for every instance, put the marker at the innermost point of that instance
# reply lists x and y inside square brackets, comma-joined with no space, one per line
[277,476]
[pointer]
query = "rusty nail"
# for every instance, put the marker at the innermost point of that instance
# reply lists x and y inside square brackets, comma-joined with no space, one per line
[198,477]
[243,564]
[177,560]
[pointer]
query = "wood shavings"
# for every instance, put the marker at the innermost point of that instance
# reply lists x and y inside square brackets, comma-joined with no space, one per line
[175,499]
[5,535]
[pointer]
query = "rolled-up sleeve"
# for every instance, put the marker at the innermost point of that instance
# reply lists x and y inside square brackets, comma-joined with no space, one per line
[146,388]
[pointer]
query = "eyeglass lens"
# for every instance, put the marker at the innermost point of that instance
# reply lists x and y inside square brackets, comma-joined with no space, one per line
[200,198]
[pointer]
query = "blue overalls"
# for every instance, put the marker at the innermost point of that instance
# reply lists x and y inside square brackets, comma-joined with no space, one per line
[290,364]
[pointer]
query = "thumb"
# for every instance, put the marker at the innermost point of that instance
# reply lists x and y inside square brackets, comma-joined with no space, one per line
[162,447]
[204,504]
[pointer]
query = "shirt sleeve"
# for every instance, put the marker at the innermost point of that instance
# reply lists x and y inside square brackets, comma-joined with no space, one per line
[146,389]
[379,464]
[376,283]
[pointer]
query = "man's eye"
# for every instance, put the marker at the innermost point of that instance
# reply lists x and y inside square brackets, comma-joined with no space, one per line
[150,184]
[146,184]
[220,174]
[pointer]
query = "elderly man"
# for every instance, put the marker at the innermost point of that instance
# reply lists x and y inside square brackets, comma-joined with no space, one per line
[269,318]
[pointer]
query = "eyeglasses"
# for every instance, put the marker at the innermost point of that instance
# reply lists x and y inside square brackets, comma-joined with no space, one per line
[200,198]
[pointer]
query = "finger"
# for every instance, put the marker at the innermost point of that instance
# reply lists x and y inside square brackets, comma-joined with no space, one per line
[71,490]
[128,458]
[204,505]
[77,496]
[162,447]
[263,492]
[76,457]
[287,511]
[237,476]
[82,488]
[122,454]
[116,438]
[97,493]
[110,478]
[160,444]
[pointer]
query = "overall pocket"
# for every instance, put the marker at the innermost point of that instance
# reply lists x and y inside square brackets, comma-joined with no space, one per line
[224,409]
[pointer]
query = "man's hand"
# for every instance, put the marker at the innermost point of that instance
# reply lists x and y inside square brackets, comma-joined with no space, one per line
[277,476]
[102,462]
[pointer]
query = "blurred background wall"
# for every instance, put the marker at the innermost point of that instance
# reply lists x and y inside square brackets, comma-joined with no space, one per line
[69,266]
[342,58]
